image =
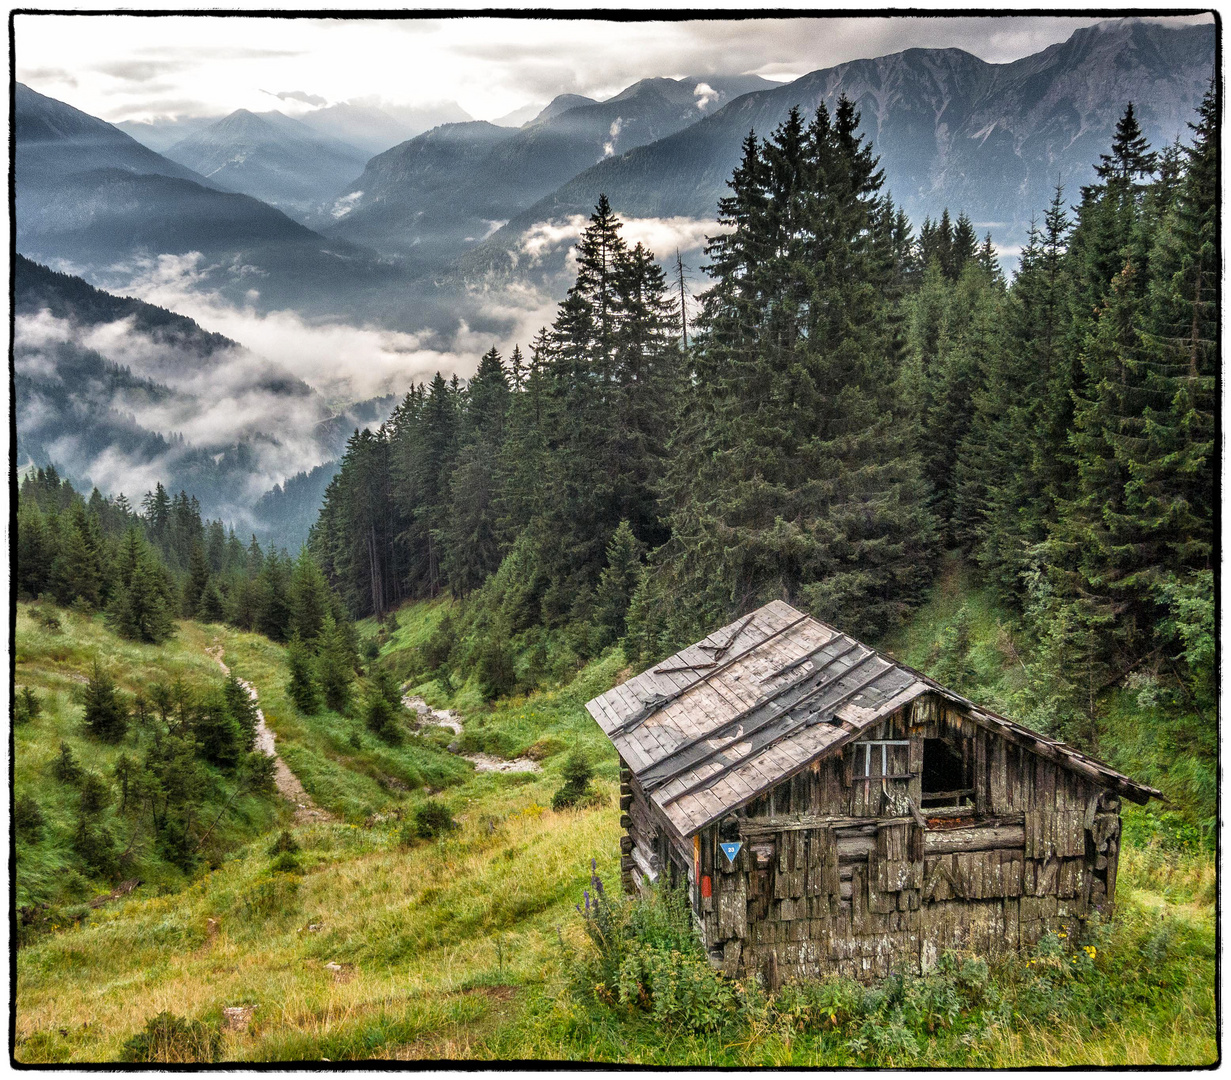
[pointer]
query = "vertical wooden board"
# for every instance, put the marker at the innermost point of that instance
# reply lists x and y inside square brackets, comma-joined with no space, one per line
[1113,860]
[996,775]
[982,799]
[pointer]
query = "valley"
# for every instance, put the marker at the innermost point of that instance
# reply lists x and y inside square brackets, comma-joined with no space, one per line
[458,947]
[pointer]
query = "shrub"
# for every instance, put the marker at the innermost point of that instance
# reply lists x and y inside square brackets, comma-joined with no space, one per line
[28,820]
[95,794]
[170,1038]
[284,844]
[47,618]
[65,767]
[105,713]
[577,775]
[286,863]
[268,896]
[645,956]
[27,706]
[430,820]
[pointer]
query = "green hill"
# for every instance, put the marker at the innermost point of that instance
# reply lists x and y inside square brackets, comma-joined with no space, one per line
[372,942]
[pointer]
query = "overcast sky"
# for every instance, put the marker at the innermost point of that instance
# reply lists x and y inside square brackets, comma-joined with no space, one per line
[131,68]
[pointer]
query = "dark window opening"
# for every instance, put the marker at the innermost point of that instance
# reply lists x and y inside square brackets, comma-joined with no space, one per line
[944,775]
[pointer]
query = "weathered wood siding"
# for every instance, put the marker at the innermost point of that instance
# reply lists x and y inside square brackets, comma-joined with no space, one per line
[835,875]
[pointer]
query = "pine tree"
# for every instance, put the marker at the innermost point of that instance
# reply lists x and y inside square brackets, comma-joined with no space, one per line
[472,542]
[309,599]
[617,584]
[106,716]
[335,666]
[242,707]
[218,734]
[140,609]
[302,687]
[791,476]
[35,550]
[197,580]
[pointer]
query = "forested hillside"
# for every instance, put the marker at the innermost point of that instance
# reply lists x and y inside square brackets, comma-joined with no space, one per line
[1009,485]
[854,397]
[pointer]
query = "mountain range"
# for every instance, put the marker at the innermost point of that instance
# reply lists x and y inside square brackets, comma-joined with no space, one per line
[92,198]
[451,187]
[276,159]
[428,235]
[369,127]
[951,130]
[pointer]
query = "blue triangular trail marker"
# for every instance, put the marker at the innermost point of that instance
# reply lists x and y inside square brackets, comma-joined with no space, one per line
[731,850]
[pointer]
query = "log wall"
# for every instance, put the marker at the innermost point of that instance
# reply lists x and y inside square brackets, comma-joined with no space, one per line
[836,874]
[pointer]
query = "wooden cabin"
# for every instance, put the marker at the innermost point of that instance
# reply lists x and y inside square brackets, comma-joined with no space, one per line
[832,810]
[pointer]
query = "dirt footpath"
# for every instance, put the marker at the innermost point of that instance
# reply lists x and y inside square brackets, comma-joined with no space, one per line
[289,787]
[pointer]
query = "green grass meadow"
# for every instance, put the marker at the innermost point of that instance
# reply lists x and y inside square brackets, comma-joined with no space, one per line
[376,945]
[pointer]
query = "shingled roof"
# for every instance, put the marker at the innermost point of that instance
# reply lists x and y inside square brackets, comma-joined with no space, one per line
[722,721]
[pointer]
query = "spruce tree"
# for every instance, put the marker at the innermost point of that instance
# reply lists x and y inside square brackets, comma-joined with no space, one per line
[617,584]
[309,599]
[302,687]
[335,665]
[106,716]
[792,475]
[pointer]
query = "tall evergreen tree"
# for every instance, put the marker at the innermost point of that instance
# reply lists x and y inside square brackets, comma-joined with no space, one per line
[792,477]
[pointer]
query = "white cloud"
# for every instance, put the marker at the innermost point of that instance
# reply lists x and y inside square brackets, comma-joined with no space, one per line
[704,94]
[663,236]
[124,67]
[346,204]
[614,133]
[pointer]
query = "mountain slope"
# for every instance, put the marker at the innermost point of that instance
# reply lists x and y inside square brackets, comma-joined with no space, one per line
[55,140]
[271,157]
[450,187]
[374,130]
[92,197]
[951,130]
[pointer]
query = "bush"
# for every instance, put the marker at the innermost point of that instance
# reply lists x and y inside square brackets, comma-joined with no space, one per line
[28,820]
[577,775]
[286,863]
[268,896]
[645,956]
[47,618]
[284,844]
[170,1038]
[27,707]
[429,820]
[95,794]
[65,767]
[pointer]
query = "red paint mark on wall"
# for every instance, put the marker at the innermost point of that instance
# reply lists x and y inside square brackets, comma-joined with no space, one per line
[707,887]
